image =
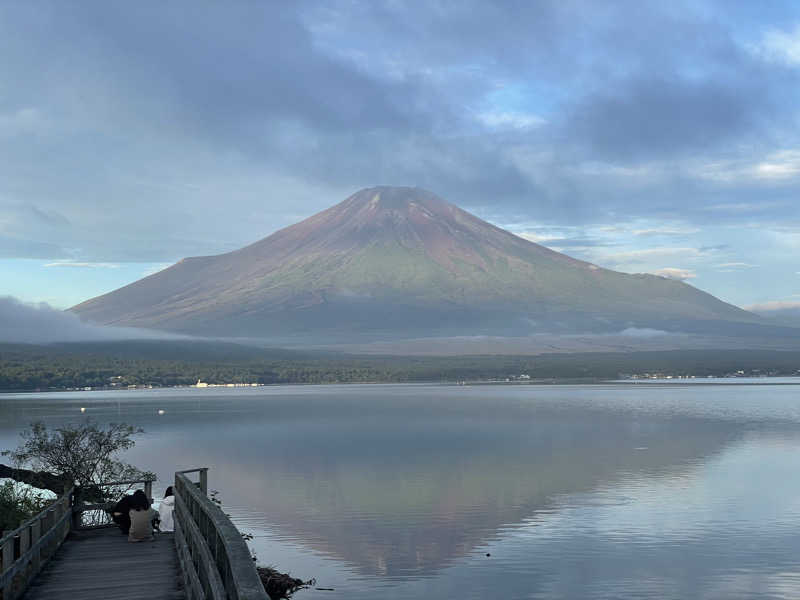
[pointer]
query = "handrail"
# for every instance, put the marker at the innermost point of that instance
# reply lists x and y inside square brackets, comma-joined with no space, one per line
[202,579]
[215,560]
[129,482]
[26,549]
[203,471]
[79,509]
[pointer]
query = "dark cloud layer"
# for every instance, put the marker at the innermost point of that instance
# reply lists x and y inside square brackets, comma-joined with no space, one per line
[655,118]
[144,131]
[14,247]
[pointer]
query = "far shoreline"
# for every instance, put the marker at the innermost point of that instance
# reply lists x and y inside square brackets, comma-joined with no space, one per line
[654,382]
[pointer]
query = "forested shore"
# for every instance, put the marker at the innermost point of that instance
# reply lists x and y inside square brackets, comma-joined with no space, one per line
[163,364]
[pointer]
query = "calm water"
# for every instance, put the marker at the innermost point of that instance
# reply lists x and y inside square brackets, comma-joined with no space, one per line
[608,491]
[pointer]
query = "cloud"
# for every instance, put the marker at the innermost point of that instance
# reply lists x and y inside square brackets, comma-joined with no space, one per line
[774,306]
[714,248]
[742,207]
[694,115]
[786,312]
[666,231]
[536,238]
[512,120]
[780,46]
[40,324]
[652,254]
[736,265]
[577,242]
[643,332]
[562,242]
[155,269]
[779,165]
[163,134]
[15,247]
[22,121]
[675,273]
[775,167]
[83,265]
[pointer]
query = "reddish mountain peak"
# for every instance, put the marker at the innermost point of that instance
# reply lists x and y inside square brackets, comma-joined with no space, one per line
[380,204]
[372,214]
[397,198]
[409,216]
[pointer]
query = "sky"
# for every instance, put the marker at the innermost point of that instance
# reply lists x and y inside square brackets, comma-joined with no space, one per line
[659,137]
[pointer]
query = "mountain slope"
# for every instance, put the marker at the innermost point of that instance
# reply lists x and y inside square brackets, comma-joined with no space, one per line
[400,261]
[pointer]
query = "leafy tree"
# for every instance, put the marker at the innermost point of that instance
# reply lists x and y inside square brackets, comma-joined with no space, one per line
[86,453]
[19,503]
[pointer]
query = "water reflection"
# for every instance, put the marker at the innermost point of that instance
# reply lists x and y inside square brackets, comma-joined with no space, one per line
[410,496]
[580,492]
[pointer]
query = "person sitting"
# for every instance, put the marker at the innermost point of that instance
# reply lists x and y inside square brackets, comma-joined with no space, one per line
[165,510]
[119,514]
[141,516]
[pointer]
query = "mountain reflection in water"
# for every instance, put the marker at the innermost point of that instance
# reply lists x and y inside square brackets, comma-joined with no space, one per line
[406,482]
[409,494]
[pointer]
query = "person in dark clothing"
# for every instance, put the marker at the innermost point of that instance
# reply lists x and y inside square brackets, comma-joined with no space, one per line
[120,515]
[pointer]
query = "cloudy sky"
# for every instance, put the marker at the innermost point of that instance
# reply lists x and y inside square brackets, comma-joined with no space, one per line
[655,137]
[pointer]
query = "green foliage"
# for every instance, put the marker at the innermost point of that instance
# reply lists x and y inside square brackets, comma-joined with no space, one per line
[19,503]
[85,453]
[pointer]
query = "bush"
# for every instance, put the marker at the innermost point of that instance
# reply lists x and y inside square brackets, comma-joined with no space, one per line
[85,453]
[18,503]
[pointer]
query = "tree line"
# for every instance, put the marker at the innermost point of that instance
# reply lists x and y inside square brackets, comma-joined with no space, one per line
[25,367]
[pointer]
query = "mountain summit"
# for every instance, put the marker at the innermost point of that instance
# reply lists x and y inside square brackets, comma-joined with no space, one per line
[400,261]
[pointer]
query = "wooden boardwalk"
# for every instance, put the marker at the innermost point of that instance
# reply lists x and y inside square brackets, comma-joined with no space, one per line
[101,564]
[52,556]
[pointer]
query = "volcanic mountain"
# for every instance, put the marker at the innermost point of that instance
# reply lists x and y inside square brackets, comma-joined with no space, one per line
[402,262]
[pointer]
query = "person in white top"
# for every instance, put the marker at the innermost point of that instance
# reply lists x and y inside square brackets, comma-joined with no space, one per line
[165,510]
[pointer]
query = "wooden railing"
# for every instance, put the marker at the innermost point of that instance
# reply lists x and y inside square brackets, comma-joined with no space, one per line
[214,558]
[26,549]
[101,510]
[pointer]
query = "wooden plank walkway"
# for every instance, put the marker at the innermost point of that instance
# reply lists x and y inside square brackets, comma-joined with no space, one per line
[101,564]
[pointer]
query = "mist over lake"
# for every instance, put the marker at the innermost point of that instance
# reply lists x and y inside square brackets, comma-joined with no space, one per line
[398,491]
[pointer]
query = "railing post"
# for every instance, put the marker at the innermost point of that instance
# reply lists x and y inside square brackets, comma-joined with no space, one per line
[148,490]
[204,480]
[24,540]
[7,553]
[36,533]
[50,521]
[76,514]
[66,508]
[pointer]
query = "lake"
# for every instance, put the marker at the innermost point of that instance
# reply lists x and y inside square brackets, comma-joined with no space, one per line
[531,491]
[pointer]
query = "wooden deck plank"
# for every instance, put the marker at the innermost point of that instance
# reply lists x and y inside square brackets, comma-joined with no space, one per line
[102,565]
